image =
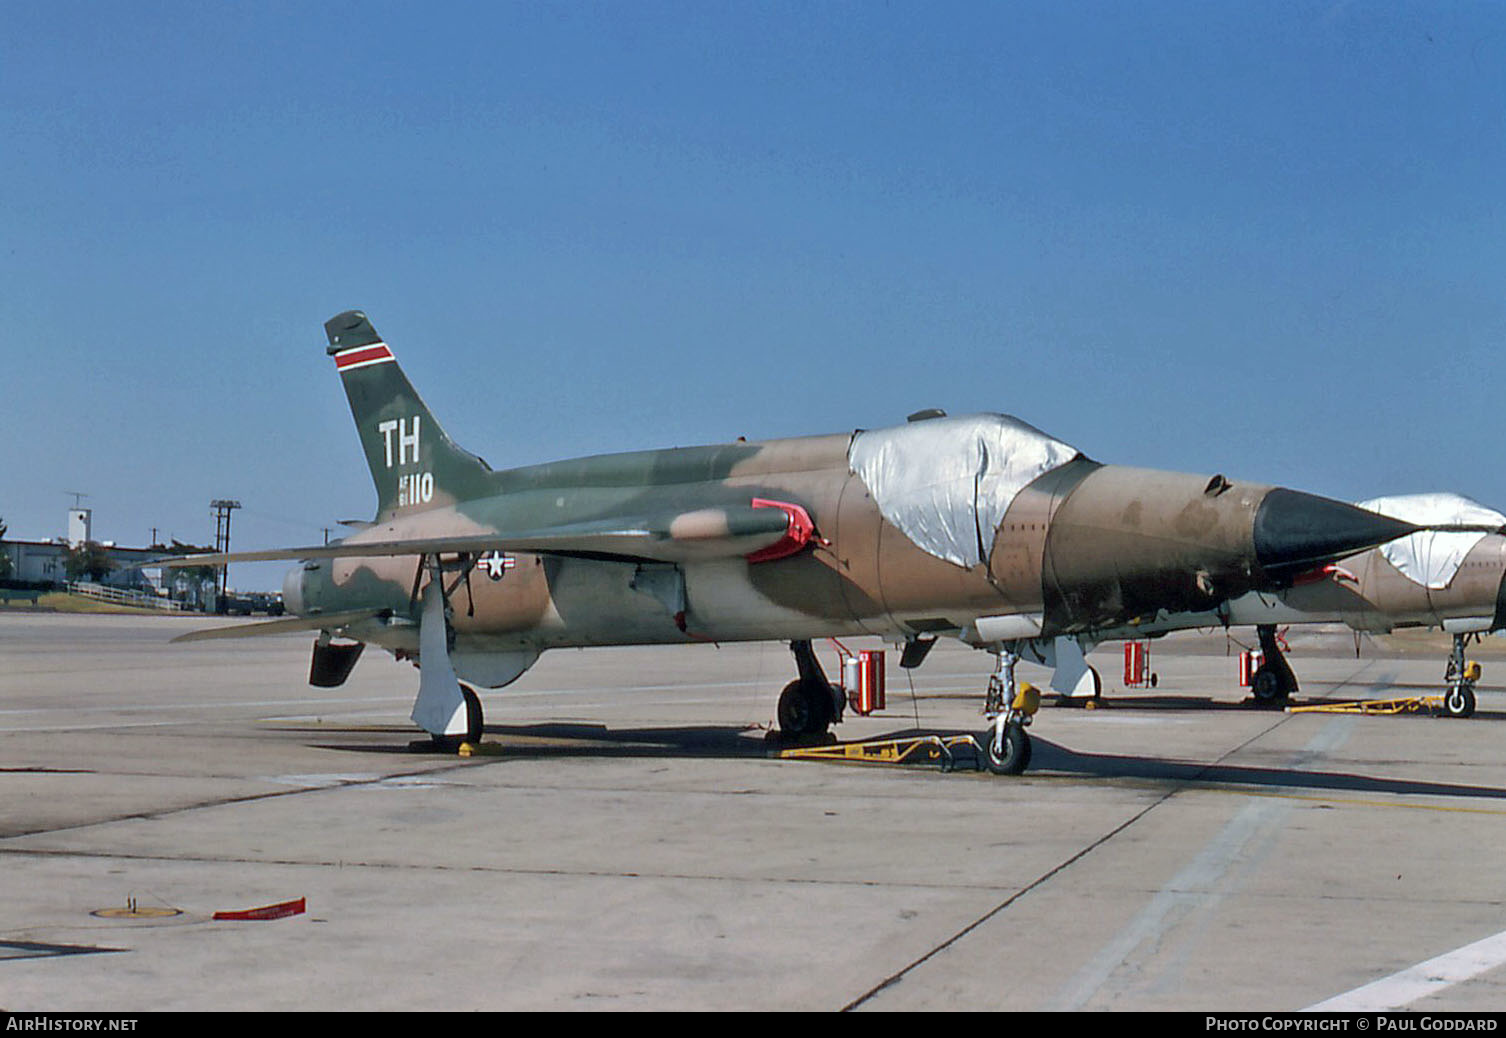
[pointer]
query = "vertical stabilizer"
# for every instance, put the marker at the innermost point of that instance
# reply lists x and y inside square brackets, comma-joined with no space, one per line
[414,464]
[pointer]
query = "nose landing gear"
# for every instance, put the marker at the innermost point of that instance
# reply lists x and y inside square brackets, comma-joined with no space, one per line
[1460,677]
[1006,744]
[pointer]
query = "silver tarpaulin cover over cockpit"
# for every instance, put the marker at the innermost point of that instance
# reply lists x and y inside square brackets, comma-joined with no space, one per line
[946,483]
[1432,557]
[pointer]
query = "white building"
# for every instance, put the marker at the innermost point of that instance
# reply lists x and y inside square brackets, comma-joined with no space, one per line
[45,562]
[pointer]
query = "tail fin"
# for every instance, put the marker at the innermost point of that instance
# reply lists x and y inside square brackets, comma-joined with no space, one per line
[414,465]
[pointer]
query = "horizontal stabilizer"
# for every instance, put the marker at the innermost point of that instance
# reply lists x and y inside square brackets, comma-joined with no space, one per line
[283,626]
[710,533]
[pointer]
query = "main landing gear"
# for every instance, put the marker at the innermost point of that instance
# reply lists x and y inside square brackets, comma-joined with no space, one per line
[448,710]
[1006,744]
[1273,683]
[810,704]
[475,724]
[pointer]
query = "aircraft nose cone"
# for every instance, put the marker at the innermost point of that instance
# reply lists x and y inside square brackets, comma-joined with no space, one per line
[1294,530]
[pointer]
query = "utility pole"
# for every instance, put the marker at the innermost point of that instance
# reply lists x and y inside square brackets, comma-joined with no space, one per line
[222,510]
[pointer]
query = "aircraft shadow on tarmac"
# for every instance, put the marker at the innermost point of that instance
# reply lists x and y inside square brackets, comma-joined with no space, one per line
[1318,694]
[581,739]
[1049,757]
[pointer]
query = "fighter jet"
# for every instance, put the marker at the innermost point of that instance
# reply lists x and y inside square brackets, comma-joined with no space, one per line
[978,527]
[1451,574]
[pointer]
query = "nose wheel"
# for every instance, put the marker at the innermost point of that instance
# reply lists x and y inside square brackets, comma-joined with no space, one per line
[1007,751]
[1459,700]
[1461,675]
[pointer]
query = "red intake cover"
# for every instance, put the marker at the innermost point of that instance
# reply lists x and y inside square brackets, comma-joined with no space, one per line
[799,534]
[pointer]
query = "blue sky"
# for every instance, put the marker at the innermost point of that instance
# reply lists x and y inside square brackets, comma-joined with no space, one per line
[1265,239]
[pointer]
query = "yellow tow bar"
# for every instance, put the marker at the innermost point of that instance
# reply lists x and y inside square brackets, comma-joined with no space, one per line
[933,749]
[1407,705]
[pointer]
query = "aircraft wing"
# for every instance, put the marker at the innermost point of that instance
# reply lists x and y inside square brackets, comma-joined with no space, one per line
[283,626]
[686,536]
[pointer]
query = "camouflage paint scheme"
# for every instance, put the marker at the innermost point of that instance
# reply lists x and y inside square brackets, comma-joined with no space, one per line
[1082,547]
[774,540]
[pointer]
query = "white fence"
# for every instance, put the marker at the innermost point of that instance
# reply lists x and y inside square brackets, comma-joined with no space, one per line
[119,596]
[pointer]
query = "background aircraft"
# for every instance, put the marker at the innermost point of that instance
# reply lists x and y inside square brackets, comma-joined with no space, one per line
[979,527]
[1449,575]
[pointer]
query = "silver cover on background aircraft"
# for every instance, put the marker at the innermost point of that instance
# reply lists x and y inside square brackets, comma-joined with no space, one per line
[946,483]
[1432,557]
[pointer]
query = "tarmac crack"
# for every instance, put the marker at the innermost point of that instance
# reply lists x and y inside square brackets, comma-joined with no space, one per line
[501,870]
[231,801]
[1191,782]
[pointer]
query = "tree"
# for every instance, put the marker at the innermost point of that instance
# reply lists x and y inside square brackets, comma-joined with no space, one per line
[188,582]
[88,559]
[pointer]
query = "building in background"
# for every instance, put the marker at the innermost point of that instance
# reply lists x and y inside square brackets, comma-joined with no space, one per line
[45,563]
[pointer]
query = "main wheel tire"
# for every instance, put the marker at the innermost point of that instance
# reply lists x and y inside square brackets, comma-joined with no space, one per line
[1459,701]
[1087,692]
[475,724]
[1266,687]
[1016,755]
[475,718]
[804,710]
